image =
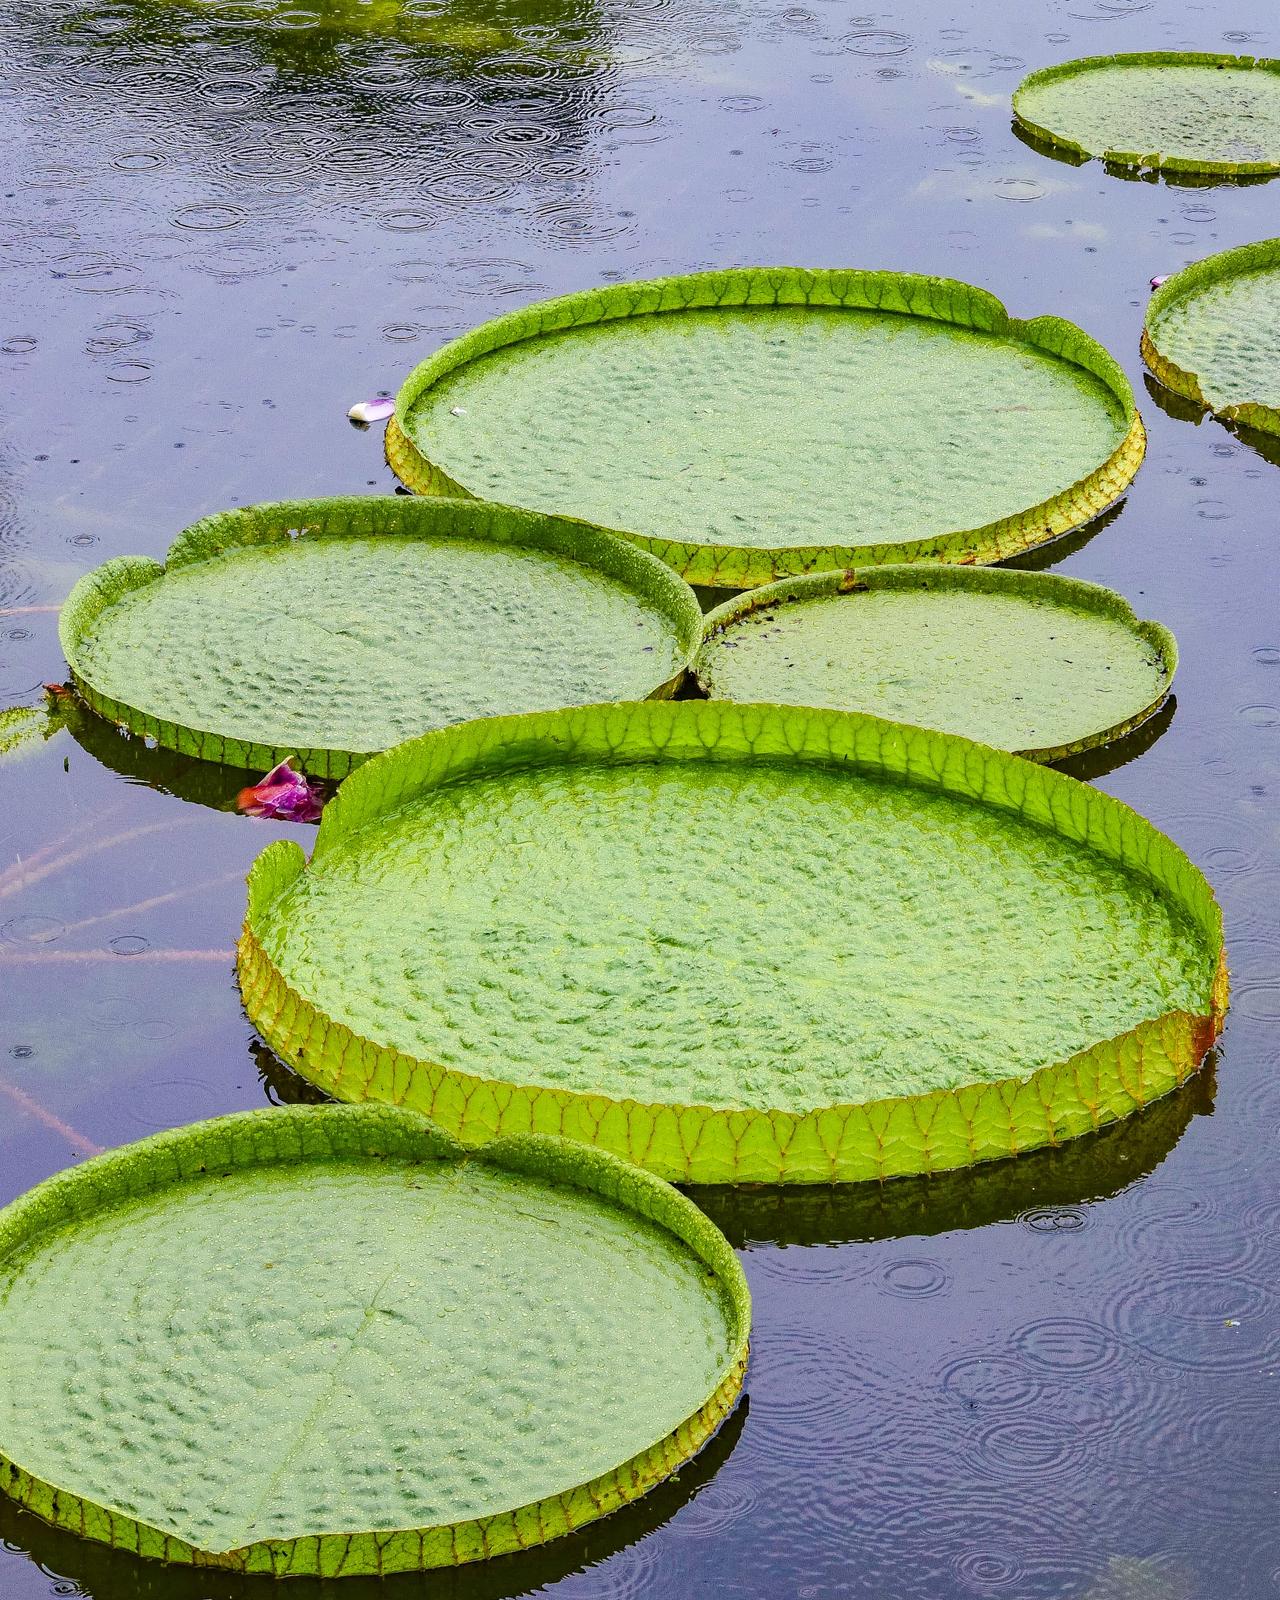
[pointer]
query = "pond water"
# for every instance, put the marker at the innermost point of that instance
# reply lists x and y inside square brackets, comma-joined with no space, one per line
[221,225]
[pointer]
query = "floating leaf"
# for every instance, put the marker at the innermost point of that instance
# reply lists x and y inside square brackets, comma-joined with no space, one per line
[326,630]
[735,943]
[1026,661]
[1212,334]
[1180,111]
[108,1572]
[750,424]
[1047,1190]
[327,1341]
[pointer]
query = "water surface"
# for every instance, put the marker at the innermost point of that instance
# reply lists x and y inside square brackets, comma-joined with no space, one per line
[221,224]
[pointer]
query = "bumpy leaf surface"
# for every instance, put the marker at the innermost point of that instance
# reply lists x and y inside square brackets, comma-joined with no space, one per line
[331,629]
[749,424]
[1178,110]
[1025,661]
[328,1340]
[1213,334]
[735,942]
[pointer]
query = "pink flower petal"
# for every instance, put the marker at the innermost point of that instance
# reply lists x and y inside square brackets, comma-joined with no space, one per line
[284,795]
[377,409]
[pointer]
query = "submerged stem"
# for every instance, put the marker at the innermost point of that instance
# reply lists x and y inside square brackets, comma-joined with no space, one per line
[41,1113]
[24,873]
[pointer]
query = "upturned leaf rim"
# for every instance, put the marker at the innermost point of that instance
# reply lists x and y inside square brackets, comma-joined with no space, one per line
[1154,160]
[287,523]
[898,293]
[1068,592]
[293,1136]
[878,1139]
[1200,275]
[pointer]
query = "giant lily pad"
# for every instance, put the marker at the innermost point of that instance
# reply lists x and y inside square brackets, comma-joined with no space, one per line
[1176,110]
[735,942]
[329,1341]
[751,424]
[331,629]
[1212,334]
[1026,661]
[108,1572]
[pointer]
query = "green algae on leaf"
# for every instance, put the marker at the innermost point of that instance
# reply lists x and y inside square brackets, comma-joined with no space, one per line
[756,423]
[735,942]
[1042,665]
[327,630]
[329,1341]
[1212,334]
[1177,111]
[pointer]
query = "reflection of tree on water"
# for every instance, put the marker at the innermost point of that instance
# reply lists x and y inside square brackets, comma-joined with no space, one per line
[410,114]
[498,48]
[1089,1168]
[101,1573]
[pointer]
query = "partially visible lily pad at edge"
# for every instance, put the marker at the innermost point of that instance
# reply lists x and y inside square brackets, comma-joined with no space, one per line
[1184,113]
[316,1357]
[1211,335]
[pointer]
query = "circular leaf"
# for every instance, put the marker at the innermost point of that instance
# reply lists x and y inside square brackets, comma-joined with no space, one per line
[735,943]
[1212,334]
[1180,111]
[749,424]
[327,630]
[328,1341]
[1025,661]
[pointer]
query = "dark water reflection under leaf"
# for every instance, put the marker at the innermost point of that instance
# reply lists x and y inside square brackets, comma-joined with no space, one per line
[1043,1184]
[82,1567]
[1133,174]
[1266,445]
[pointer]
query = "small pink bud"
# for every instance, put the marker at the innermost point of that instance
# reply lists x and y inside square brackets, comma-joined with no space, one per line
[1160,278]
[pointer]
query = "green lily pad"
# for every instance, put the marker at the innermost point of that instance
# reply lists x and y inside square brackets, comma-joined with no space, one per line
[1034,1187]
[1026,661]
[330,1341]
[752,424]
[1212,334]
[109,1573]
[1179,111]
[327,630]
[735,943]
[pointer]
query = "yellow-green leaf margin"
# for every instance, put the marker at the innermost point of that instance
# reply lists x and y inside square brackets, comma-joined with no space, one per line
[1137,159]
[1201,275]
[1090,597]
[302,1133]
[904,293]
[882,1138]
[281,522]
